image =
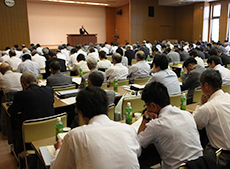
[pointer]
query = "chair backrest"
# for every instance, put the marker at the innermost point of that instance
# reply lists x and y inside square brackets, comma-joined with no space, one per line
[134,61]
[40,77]
[136,104]
[66,73]
[197,95]
[121,83]
[102,69]
[41,128]
[226,88]
[111,110]
[64,87]
[175,100]
[136,81]
[109,58]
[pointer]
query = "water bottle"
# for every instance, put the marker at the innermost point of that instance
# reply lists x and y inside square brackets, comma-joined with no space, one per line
[148,58]
[86,83]
[115,84]
[81,72]
[58,127]
[183,100]
[128,113]
[181,73]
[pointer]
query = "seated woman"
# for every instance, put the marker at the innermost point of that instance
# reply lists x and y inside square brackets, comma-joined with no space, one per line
[104,63]
[80,64]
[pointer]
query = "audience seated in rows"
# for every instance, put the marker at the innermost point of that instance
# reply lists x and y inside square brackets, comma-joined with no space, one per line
[163,75]
[190,78]
[101,143]
[173,131]
[212,113]
[57,78]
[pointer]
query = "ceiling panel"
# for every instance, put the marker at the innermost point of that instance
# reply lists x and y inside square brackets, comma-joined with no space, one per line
[180,2]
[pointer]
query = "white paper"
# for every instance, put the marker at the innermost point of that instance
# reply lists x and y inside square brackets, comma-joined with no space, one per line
[77,80]
[42,82]
[69,101]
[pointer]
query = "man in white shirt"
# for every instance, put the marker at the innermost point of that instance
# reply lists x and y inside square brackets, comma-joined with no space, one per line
[92,52]
[10,81]
[103,48]
[80,64]
[13,61]
[194,55]
[73,57]
[214,63]
[172,131]
[117,71]
[227,48]
[41,60]
[28,66]
[79,50]
[60,55]
[212,113]
[163,75]
[141,69]
[5,56]
[101,143]
[104,63]
[113,48]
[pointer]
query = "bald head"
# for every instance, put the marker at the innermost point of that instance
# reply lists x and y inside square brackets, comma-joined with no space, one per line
[117,58]
[140,55]
[4,67]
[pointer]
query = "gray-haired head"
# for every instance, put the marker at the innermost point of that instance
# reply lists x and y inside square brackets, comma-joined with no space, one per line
[25,50]
[45,50]
[34,52]
[28,78]
[92,62]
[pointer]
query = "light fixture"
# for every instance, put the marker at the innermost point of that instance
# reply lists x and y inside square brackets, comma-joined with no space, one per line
[78,2]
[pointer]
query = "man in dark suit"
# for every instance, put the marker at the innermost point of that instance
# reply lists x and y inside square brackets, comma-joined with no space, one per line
[83,30]
[33,102]
[183,54]
[225,58]
[52,56]
[58,79]
[129,54]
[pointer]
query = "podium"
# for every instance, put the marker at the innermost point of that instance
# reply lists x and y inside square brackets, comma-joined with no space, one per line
[74,39]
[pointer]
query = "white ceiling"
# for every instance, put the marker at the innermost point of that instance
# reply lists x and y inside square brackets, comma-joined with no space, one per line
[117,3]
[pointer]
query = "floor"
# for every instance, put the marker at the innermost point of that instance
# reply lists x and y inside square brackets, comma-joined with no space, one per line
[7,160]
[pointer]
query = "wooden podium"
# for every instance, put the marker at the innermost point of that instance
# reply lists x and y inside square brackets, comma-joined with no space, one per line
[73,39]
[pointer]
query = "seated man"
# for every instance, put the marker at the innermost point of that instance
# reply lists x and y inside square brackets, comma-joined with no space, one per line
[41,60]
[190,78]
[104,63]
[214,63]
[141,69]
[101,143]
[92,64]
[28,66]
[163,75]
[13,61]
[213,114]
[58,79]
[10,81]
[33,102]
[96,79]
[117,71]
[80,64]
[173,131]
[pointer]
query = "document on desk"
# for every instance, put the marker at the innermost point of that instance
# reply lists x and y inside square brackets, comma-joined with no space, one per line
[47,153]
[69,101]
[77,80]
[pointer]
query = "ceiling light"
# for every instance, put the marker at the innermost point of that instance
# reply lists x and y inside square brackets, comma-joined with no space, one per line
[78,2]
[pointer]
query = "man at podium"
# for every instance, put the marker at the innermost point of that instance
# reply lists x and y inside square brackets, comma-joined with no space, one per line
[83,30]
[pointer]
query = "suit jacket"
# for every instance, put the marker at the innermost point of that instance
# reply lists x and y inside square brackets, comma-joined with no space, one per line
[190,81]
[184,55]
[58,79]
[83,31]
[34,102]
[111,96]
[85,76]
[130,55]
[225,59]
[62,63]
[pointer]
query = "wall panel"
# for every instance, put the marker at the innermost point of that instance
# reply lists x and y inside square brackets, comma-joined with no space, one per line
[14,24]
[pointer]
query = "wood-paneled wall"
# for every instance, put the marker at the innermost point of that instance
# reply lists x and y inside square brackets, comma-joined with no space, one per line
[161,26]
[223,20]
[198,15]
[184,23]
[118,24]
[14,24]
